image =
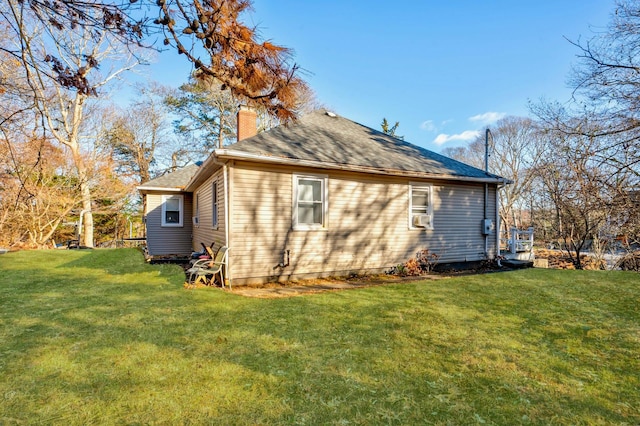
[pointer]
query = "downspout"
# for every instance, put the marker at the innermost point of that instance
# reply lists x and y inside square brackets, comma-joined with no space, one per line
[498,187]
[486,208]
[486,191]
[227,224]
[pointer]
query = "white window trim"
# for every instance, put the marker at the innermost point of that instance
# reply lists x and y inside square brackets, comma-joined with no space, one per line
[325,203]
[428,186]
[180,199]
[215,206]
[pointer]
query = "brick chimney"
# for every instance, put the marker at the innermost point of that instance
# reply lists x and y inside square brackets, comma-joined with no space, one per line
[247,126]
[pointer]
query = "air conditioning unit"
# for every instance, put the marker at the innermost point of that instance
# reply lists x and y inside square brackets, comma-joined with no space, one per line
[422,221]
[194,219]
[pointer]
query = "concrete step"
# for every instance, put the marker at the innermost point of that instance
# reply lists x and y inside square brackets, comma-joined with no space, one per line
[517,264]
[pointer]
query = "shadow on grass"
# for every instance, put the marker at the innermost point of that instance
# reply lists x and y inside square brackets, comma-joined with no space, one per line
[101,339]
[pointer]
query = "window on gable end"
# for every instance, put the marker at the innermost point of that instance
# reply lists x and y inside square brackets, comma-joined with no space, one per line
[172,210]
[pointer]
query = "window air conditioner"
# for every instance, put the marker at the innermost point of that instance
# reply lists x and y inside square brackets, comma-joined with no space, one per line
[422,221]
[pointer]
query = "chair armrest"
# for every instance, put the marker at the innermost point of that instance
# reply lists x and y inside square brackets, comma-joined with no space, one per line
[202,263]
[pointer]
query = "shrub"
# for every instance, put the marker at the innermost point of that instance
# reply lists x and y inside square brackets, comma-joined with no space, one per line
[423,263]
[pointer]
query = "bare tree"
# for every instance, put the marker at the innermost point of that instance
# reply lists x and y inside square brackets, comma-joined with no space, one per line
[583,190]
[515,149]
[208,33]
[605,82]
[138,139]
[607,74]
[592,172]
[137,135]
[591,176]
[68,51]
[36,194]
[63,104]
[471,154]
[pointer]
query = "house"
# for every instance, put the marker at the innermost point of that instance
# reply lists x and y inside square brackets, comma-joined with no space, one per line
[323,196]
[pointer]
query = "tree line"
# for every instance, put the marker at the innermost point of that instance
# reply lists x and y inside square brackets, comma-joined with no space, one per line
[575,166]
[67,154]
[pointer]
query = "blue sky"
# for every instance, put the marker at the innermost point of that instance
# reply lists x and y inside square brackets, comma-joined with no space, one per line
[443,69]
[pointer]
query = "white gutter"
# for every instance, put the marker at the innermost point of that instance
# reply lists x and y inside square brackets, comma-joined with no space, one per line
[239,155]
[159,188]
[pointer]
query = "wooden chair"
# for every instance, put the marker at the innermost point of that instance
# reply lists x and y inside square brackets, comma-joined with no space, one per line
[205,270]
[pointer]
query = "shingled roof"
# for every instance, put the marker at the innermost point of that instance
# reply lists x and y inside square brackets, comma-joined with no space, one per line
[176,180]
[326,138]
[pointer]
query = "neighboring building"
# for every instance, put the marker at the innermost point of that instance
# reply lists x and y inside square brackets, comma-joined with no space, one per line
[323,196]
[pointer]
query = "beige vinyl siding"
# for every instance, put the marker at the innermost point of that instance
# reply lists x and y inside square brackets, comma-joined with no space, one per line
[367,224]
[168,240]
[204,232]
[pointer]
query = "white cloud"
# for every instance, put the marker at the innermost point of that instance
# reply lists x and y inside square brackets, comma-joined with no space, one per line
[428,126]
[467,135]
[487,117]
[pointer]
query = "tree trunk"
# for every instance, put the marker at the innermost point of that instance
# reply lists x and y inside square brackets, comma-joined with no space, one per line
[87,218]
[220,134]
[85,195]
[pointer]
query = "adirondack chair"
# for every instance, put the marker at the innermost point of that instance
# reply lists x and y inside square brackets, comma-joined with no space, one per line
[205,270]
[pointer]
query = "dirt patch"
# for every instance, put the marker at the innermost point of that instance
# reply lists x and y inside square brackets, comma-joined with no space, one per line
[320,285]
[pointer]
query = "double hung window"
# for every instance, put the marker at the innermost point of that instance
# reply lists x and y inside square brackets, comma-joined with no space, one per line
[310,202]
[214,198]
[196,218]
[172,210]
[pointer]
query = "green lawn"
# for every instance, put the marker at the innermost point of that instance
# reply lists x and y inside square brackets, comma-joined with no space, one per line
[99,337]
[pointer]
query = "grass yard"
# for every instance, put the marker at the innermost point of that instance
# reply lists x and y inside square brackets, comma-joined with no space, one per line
[99,337]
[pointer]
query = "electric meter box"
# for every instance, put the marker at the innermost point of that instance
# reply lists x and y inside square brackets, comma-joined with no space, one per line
[487,226]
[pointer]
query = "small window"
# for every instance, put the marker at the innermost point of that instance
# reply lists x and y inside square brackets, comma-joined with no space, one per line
[310,202]
[196,217]
[172,207]
[420,207]
[214,198]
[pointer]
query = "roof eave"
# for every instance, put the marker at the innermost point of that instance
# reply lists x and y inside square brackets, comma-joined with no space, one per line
[228,154]
[144,189]
[203,173]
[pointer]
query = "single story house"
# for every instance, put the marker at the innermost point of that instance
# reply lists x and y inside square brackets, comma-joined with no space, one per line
[323,196]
